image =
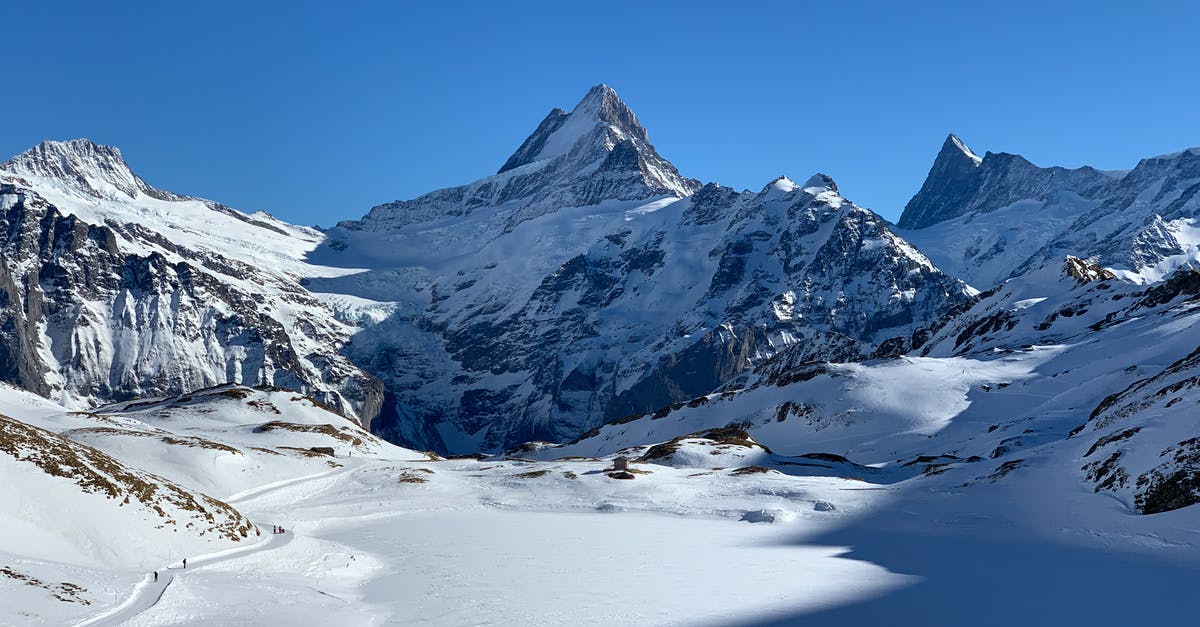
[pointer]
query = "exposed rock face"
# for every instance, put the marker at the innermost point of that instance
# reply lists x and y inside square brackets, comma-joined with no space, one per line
[947,189]
[1174,483]
[535,143]
[85,322]
[108,310]
[1085,272]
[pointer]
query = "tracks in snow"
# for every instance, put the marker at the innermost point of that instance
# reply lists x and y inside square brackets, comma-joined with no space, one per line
[147,593]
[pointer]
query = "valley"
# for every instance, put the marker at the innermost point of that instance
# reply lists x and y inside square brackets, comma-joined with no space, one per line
[589,389]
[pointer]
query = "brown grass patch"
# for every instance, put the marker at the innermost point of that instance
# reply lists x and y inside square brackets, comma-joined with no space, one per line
[343,434]
[65,592]
[97,473]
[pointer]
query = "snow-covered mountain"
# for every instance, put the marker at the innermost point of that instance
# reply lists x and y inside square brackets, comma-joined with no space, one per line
[537,303]
[1067,366]
[985,220]
[597,152]
[112,289]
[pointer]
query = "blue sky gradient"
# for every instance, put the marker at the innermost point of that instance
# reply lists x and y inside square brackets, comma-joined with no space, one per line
[316,112]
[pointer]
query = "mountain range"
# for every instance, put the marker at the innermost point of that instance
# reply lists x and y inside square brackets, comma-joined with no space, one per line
[585,281]
[1019,351]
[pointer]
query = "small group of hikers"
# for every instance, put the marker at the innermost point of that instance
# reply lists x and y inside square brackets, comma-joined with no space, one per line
[156,572]
[276,529]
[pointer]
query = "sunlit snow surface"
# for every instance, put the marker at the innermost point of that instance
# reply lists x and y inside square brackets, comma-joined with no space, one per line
[477,544]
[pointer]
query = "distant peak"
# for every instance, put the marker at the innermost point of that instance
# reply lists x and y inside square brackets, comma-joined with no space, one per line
[92,168]
[781,183]
[602,104]
[601,99]
[956,146]
[599,92]
[82,149]
[599,112]
[819,181]
[952,179]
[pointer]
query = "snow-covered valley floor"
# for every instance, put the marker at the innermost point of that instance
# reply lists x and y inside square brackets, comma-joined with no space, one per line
[697,535]
[478,543]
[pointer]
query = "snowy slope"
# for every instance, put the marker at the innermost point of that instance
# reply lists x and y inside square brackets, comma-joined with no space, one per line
[222,440]
[460,542]
[47,477]
[92,501]
[74,520]
[1030,369]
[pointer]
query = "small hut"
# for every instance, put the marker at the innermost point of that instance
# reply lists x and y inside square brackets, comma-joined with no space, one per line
[620,462]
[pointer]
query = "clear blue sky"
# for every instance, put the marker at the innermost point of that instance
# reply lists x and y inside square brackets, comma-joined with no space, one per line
[315,113]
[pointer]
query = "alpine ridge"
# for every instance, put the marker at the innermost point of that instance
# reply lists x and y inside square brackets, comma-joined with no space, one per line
[644,288]
[990,219]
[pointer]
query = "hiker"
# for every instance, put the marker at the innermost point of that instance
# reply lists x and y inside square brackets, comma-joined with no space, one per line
[156,575]
[185,562]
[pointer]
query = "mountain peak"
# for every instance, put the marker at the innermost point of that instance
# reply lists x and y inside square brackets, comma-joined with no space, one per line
[599,93]
[821,181]
[82,164]
[597,152]
[600,118]
[950,182]
[780,183]
[953,145]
